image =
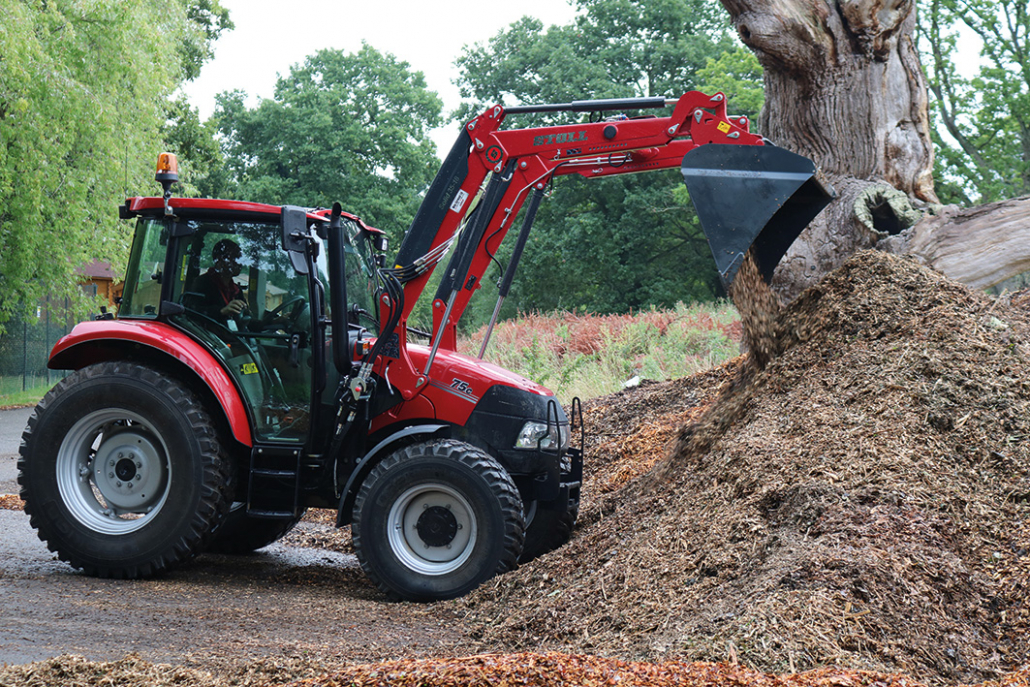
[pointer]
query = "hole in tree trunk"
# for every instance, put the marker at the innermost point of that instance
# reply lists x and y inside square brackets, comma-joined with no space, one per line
[885,220]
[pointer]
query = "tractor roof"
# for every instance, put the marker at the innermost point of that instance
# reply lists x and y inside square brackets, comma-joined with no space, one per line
[238,209]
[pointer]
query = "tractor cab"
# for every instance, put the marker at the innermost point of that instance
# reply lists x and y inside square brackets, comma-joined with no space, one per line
[218,271]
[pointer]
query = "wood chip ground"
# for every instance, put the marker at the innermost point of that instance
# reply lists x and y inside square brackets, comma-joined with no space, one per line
[863,500]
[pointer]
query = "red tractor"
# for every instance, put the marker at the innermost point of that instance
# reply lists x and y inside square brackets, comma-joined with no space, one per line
[261,362]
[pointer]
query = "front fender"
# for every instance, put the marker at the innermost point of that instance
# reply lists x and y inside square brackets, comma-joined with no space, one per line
[364,466]
[104,340]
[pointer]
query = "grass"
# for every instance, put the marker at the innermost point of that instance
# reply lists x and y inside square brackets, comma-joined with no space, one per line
[593,355]
[13,396]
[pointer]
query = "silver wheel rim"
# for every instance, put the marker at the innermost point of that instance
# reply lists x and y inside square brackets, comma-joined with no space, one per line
[408,515]
[113,472]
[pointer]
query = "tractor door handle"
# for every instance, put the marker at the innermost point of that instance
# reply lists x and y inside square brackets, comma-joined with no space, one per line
[295,350]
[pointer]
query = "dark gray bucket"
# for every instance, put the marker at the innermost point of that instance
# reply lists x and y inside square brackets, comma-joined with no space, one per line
[752,196]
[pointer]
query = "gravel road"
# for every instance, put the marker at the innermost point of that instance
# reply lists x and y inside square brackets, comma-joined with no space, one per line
[12,423]
[284,602]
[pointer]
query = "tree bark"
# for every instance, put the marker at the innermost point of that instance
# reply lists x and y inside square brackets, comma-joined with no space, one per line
[844,87]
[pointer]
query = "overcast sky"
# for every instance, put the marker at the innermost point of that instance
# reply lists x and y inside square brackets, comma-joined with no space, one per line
[270,37]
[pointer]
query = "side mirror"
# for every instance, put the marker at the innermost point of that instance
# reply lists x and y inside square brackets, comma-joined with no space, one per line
[294,221]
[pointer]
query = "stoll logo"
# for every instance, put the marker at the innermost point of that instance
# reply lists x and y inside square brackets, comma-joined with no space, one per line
[551,139]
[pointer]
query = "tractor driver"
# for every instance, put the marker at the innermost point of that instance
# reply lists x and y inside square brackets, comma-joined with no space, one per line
[223,297]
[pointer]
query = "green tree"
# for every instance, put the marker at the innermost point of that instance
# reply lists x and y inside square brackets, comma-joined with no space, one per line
[83,97]
[205,22]
[982,135]
[738,74]
[614,49]
[202,170]
[352,128]
[624,242]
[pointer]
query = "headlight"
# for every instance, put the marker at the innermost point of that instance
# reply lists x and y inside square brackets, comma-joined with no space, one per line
[538,435]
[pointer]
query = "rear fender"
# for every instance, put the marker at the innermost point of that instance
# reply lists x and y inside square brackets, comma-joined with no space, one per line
[365,465]
[143,341]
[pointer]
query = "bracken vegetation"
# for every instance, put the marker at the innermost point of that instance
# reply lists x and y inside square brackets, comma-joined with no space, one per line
[588,355]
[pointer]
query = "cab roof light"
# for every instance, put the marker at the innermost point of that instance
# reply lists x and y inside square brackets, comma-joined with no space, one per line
[167,174]
[167,168]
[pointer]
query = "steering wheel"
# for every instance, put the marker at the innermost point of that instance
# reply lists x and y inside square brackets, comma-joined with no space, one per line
[294,305]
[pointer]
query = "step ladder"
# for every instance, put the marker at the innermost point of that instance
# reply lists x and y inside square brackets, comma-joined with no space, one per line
[273,490]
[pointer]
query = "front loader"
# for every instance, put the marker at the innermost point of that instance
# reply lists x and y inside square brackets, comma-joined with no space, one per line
[261,361]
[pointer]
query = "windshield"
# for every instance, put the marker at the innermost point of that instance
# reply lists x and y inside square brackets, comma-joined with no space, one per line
[361,277]
[142,294]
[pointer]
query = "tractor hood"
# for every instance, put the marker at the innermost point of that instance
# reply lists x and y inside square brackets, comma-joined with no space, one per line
[467,378]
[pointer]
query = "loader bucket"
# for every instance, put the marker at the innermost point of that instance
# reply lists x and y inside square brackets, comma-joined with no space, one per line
[759,197]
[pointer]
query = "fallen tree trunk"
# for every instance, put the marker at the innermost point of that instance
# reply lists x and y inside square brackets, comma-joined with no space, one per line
[979,247]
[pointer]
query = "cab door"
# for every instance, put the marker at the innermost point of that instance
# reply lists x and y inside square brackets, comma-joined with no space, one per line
[255,316]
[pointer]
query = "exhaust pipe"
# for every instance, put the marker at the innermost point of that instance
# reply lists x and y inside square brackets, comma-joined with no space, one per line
[757,198]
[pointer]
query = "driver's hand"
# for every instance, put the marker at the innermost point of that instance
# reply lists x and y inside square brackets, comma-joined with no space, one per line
[234,308]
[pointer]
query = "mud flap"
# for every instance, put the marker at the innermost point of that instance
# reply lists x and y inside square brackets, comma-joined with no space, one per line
[760,196]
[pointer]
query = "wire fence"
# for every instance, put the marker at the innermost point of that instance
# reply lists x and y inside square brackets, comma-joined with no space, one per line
[25,347]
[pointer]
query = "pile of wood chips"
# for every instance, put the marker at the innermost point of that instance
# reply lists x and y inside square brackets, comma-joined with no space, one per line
[856,494]
[630,431]
[11,502]
[318,530]
[862,501]
[488,670]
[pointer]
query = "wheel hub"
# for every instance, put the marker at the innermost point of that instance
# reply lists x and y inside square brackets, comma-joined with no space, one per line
[433,529]
[125,469]
[437,526]
[129,471]
[113,471]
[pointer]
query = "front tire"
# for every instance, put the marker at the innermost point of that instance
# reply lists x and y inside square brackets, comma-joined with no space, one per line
[435,520]
[121,471]
[549,527]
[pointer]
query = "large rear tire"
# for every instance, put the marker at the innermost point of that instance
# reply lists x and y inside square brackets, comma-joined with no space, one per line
[240,533]
[435,520]
[121,471]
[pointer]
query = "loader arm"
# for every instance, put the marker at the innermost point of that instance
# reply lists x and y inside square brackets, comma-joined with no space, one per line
[518,162]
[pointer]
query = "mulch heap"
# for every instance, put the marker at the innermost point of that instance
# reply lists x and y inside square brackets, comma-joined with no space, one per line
[862,501]
[489,670]
[630,431]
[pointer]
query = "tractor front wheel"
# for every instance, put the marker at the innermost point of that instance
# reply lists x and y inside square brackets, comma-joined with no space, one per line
[549,525]
[121,471]
[435,520]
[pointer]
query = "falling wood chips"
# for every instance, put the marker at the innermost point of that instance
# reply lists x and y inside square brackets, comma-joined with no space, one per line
[863,500]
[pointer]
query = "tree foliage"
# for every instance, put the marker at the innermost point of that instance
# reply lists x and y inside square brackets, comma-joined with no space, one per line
[352,128]
[623,242]
[83,93]
[202,170]
[983,116]
[206,20]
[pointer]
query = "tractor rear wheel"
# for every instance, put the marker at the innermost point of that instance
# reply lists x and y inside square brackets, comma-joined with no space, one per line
[435,520]
[121,471]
